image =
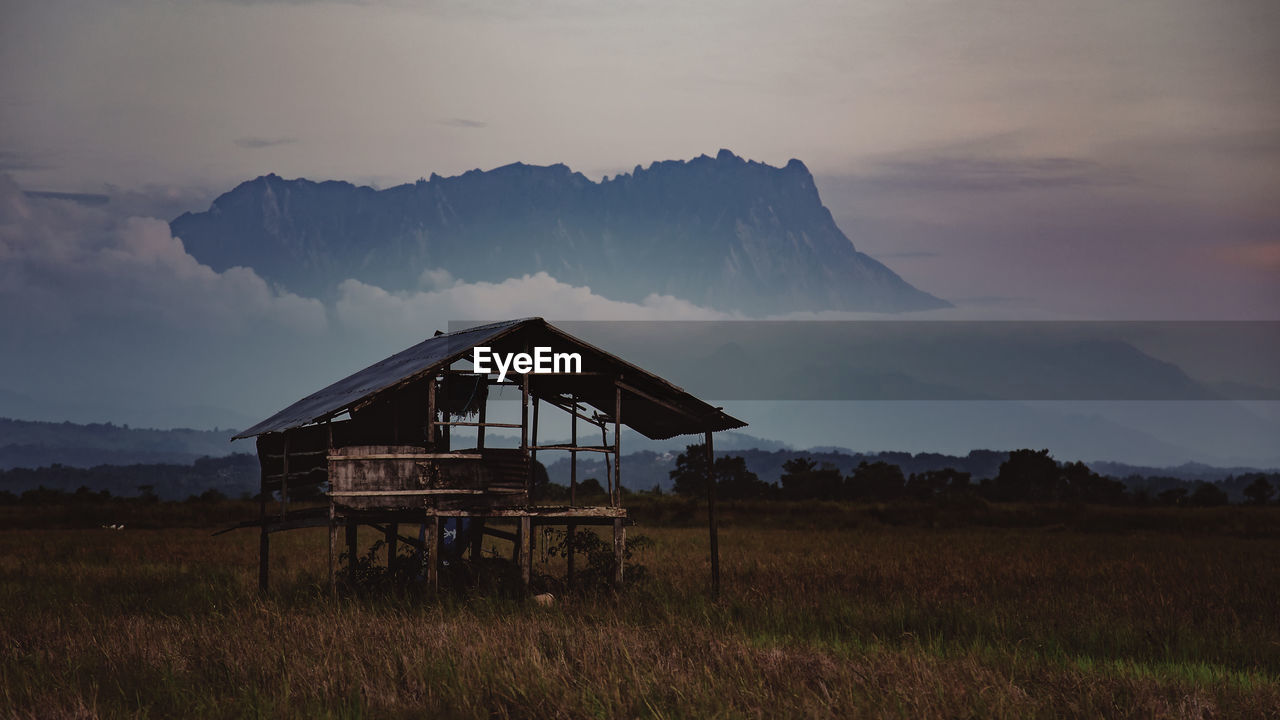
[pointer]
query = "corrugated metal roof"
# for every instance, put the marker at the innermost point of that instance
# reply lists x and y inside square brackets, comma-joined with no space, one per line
[340,396]
[654,407]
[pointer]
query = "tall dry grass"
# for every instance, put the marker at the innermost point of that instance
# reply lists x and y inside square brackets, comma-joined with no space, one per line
[864,621]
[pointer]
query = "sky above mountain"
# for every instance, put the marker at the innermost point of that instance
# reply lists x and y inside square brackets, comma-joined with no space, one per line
[1040,160]
[1086,159]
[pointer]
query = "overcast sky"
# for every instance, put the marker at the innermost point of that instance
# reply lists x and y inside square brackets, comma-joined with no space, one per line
[1115,160]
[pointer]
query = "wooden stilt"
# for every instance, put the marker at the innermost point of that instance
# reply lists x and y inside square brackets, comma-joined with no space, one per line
[619,550]
[617,447]
[393,537]
[433,552]
[526,553]
[572,530]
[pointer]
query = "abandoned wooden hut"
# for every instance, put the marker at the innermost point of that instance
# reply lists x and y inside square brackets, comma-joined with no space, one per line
[402,442]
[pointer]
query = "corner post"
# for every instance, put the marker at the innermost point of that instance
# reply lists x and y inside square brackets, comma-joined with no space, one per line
[526,550]
[617,447]
[572,530]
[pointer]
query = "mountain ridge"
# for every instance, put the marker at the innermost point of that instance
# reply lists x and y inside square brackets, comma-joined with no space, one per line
[723,232]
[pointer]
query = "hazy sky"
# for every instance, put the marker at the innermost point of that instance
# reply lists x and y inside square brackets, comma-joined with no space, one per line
[1102,159]
[1082,158]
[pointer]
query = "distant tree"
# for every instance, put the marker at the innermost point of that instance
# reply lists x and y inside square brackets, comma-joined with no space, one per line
[1208,495]
[1259,491]
[1079,483]
[590,487]
[211,495]
[538,483]
[1028,475]
[1173,496]
[555,491]
[689,477]
[932,483]
[875,481]
[803,479]
[733,480]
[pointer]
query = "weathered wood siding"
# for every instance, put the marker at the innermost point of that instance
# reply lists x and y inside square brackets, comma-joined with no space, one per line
[489,478]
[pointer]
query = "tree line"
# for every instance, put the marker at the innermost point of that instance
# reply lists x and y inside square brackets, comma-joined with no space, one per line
[1026,476]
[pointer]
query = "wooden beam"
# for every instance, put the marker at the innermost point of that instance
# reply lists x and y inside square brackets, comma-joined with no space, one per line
[409,456]
[575,448]
[636,391]
[427,491]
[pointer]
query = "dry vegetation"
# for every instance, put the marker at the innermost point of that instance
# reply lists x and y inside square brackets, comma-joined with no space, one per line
[861,620]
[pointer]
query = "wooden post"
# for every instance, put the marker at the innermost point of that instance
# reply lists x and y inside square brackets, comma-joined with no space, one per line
[480,426]
[526,554]
[393,538]
[433,552]
[617,448]
[431,412]
[352,531]
[572,530]
[619,549]
[524,431]
[533,454]
[711,517]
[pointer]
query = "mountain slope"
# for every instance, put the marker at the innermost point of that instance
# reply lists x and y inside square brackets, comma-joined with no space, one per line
[722,232]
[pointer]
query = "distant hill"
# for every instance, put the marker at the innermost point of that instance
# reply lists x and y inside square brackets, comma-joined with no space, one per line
[25,443]
[720,231]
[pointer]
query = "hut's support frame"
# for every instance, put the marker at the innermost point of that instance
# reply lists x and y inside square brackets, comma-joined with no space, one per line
[387,520]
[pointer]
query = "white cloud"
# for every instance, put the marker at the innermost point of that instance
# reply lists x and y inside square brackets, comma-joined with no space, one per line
[70,267]
[367,308]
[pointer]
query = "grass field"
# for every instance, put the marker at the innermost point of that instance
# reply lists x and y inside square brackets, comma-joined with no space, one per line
[859,618]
